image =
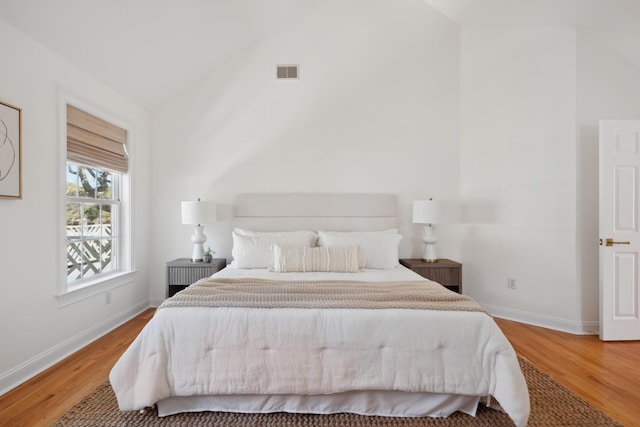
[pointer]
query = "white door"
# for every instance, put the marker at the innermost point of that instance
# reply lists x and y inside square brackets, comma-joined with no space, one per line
[619,232]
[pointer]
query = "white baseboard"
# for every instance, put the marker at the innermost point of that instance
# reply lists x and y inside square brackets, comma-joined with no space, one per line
[549,322]
[37,364]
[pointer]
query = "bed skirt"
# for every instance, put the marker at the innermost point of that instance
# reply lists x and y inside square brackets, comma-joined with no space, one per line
[380,403]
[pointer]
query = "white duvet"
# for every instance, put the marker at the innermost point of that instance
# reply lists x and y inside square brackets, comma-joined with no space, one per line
[222,351]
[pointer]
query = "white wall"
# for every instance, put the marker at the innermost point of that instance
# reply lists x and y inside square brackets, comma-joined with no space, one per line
[518,171]
[34,330]
[608,88]
[375,110]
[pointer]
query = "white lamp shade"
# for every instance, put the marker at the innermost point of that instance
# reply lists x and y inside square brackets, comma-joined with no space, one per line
[198,212]
[426,212]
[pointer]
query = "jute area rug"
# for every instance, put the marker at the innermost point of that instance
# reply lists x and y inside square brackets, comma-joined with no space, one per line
[551,405]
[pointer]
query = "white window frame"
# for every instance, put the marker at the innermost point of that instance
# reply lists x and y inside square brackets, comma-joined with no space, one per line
[123,273]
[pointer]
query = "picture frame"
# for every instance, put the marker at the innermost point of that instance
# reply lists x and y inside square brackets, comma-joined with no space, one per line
[10,151]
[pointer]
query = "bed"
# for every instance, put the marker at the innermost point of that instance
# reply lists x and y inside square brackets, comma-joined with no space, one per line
[362,333]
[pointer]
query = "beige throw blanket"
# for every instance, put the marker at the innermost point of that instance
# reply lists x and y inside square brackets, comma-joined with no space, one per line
[263,293]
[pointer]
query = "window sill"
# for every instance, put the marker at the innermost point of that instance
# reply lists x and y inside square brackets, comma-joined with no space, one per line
[90,289]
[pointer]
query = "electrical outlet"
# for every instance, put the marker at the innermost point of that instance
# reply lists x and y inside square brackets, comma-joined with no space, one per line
[107,298]
[511,283]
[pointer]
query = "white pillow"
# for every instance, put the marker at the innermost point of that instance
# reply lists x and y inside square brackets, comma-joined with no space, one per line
[334,259]
[255,251]
[376,249]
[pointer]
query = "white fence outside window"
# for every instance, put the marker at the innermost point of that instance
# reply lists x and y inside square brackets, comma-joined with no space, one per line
[91,254]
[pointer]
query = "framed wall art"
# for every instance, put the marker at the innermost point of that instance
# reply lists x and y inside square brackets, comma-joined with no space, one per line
[10,151]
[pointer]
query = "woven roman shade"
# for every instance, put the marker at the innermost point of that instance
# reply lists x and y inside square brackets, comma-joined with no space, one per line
[93,141]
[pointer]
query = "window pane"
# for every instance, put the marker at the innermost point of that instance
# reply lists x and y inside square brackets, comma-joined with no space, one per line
[106,220]
[90,258]
[91,220]
[72,180]
[74,261]
[105,255]
[104,189]
[87,182]
[74,219]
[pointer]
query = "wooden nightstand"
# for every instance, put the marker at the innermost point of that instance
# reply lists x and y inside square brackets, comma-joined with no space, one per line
[444,271]
[182,272]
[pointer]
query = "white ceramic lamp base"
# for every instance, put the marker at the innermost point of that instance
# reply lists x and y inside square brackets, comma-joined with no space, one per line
[429,239]
[198,238]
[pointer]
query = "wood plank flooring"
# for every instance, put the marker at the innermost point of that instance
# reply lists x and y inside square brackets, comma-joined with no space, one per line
[49,395]
[605,374]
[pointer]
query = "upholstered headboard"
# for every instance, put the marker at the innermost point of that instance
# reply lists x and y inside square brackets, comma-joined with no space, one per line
[312,211]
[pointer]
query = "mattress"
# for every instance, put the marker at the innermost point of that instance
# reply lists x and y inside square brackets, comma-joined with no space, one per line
[399,362]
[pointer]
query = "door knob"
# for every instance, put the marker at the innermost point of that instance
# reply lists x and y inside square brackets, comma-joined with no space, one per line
[610,242]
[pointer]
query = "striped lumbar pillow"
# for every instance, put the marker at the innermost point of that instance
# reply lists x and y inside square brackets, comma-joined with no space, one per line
[335,259]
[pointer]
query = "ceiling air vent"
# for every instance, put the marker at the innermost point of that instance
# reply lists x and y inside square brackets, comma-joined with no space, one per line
[287,72]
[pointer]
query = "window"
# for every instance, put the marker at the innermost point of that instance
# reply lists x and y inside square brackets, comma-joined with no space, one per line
[92,221]
[96,170]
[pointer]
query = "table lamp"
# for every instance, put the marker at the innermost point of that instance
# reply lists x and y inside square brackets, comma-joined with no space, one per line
[427,212]
[198,213]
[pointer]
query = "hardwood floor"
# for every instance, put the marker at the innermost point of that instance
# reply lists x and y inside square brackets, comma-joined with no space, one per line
[49,395]
[605,374]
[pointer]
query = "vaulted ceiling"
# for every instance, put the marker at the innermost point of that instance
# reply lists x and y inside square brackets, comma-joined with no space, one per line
[614,23]
[150,49]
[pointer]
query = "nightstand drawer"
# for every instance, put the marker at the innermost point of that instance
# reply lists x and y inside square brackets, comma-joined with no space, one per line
[444,271]
[183,272]
[179,275]
[444,276]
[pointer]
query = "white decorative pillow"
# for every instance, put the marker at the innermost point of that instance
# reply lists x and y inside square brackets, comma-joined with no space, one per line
[376,249]
[255,251]
[333,259]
